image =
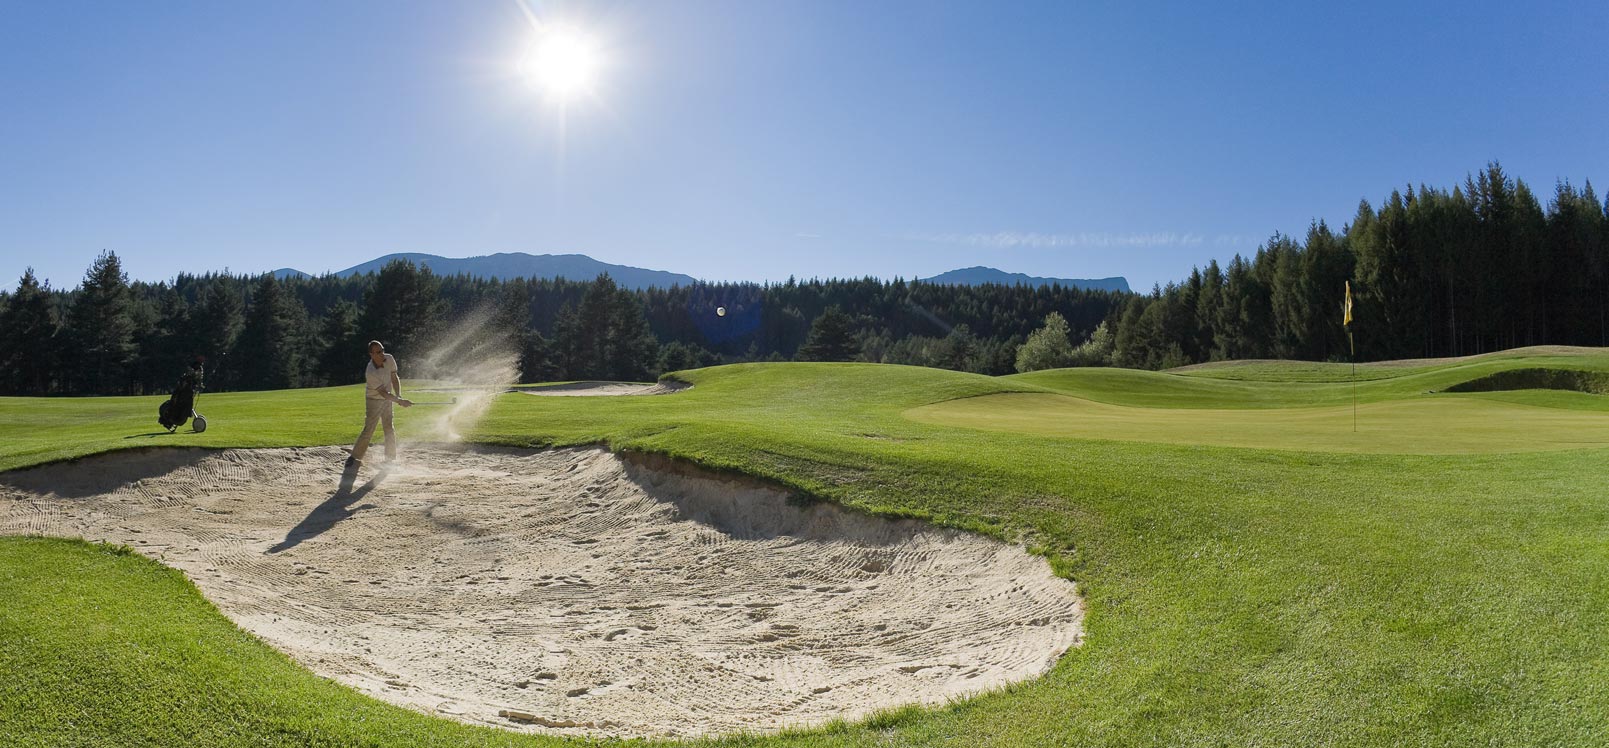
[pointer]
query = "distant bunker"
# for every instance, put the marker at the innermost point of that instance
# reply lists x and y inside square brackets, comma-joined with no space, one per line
[573,591]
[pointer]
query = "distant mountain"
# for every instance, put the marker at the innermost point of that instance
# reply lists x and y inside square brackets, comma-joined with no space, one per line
[977,276]
[583,268]
[506,265]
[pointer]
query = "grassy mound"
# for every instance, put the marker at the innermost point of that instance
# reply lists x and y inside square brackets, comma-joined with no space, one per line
[1234,595]
[1306,406]
[1572,380]
[1271,370]
[1305,384]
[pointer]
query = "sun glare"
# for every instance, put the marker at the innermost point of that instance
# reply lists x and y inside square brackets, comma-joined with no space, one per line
[562,62]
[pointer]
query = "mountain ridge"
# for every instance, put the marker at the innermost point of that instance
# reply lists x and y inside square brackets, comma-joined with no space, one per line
[507,265]
[579,267]
[978,275]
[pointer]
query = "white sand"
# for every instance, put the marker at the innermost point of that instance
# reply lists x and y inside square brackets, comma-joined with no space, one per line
[578,592]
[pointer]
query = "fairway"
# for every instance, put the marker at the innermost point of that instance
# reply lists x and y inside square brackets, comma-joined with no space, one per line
[1250,571]
[1441,425]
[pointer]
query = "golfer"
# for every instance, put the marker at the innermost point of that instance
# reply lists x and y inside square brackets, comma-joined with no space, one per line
[384,387]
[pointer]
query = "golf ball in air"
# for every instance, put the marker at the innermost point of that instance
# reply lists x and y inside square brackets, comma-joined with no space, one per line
[720,311]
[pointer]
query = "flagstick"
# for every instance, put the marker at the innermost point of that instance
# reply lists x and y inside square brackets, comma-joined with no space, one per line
[1351,344]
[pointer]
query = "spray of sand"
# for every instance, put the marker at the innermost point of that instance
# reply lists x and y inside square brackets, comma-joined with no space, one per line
[477,358]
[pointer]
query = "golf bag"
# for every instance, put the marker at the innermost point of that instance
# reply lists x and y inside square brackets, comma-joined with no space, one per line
[180,406]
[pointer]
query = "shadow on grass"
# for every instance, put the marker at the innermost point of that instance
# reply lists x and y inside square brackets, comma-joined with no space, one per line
[334,509]
[153,433]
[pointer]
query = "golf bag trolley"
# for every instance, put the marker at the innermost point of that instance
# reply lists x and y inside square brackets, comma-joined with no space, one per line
[181,405]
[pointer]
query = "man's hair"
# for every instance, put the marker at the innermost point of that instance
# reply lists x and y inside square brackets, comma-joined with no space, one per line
[376,344]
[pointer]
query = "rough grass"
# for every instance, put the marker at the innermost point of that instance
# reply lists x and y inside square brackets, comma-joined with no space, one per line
[1237,596]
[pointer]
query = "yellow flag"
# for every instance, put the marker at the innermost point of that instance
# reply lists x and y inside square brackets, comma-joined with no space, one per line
[1348,319]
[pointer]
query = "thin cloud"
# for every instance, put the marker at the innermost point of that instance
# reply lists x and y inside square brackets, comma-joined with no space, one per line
[1079,240]
[805,235]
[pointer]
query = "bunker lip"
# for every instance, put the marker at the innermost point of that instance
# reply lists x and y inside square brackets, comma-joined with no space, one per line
[571,592]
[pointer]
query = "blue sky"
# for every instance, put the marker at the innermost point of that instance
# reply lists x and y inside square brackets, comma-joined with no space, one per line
[756,140]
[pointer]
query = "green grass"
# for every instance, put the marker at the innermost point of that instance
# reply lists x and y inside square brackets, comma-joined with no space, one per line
[1329,371]
[1292,384]
[1448,425]
[101,646]
[48,429]
[1236,596]
[1427,409]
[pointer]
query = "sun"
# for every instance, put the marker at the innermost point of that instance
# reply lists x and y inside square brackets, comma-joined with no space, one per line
[562,62]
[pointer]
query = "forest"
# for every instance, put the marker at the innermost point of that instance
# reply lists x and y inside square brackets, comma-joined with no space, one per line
[113,336]
[1435,272]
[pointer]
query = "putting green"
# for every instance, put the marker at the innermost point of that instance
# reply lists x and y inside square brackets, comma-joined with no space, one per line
[1437,425]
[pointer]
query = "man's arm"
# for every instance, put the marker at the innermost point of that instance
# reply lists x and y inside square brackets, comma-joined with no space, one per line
[396,391]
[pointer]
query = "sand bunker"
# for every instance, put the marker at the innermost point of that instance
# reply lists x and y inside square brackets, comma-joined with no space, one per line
[570,591]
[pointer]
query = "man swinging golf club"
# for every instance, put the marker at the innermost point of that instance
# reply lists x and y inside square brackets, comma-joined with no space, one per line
[384,387]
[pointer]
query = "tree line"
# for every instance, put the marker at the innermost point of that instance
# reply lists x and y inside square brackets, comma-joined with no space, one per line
[1479,267]
[1434,272]
[109,335]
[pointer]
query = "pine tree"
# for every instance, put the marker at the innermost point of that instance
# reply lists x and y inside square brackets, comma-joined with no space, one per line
[512,321]
[632,350]
[1130,347]
[1325,269]
[1288,308]
[567,349]
[1212,283]
[102,328]
[340,360]
[268,352]
[831,338]
[403,309]
[215,323]
[591,352]
[957,351]
[28,339]
[161,341]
